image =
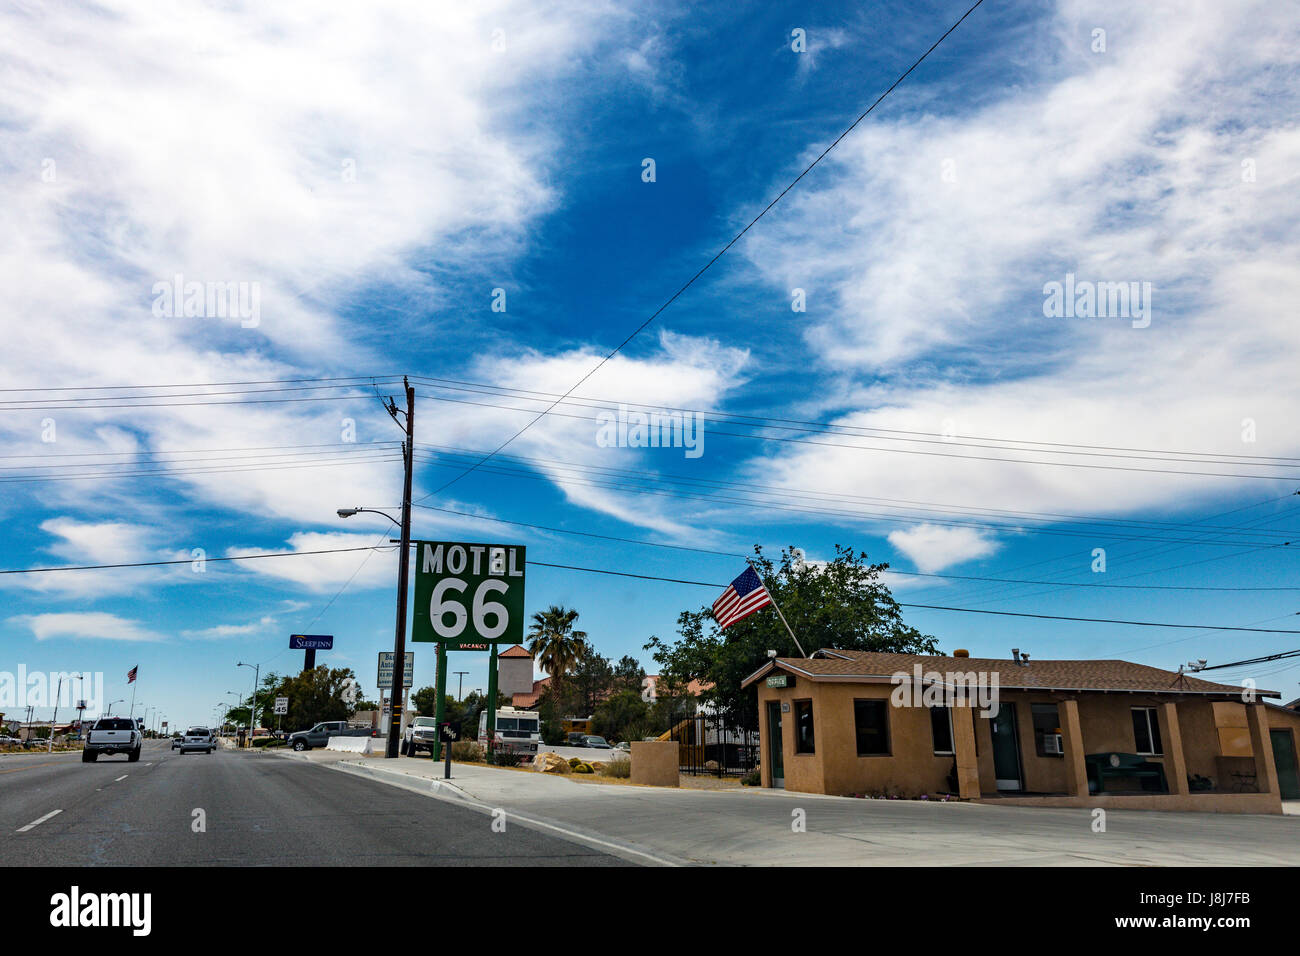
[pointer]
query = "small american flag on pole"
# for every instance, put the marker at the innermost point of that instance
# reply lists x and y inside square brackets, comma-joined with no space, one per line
[130,675]
[743,597]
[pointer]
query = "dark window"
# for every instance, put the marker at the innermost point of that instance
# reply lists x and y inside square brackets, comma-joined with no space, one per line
[114,723]
[1047,730]
[803,727]
[871,722]
[1146,731]
[941,729]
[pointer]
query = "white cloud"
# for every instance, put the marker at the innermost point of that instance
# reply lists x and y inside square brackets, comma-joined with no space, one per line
[96,625]
[933,548]
[315,150]
[1122,166]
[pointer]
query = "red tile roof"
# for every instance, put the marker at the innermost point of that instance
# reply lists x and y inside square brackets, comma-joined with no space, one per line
[1098,675]
[515,651]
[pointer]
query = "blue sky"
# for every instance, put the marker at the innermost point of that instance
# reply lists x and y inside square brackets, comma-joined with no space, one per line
[378,171]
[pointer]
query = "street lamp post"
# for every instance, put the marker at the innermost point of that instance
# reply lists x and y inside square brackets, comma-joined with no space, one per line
[252,704]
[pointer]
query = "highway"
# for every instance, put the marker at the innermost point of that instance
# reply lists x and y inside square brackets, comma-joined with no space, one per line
[257,809]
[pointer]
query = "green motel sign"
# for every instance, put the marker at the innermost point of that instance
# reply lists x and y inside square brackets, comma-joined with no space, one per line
[468,596]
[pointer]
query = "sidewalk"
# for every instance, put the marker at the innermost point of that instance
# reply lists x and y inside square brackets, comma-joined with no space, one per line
[753,827]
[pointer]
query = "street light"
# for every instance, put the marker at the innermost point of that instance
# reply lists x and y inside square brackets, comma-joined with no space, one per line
[398,687]
[349,512]
[109,712]
[252,712]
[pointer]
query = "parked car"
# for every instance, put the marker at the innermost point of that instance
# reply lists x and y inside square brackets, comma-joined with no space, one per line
[176,741]
[576,739]
[10,742]
[198,739]
[113,735]
[623,747]
[320,735]
[596,743]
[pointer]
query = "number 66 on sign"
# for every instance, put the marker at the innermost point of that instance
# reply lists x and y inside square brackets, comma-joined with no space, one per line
[468,596]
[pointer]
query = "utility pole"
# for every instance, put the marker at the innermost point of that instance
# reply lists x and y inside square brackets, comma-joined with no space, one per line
[403,571]
[460,684]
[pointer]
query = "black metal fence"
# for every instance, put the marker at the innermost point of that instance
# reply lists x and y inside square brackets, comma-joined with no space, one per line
[713,745]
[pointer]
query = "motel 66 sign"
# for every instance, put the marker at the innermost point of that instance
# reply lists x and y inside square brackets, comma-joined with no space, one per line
[468,596]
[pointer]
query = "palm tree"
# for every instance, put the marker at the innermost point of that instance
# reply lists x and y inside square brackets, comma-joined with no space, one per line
[554,644]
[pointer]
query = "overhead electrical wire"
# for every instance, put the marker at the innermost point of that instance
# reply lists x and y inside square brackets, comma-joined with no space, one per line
[718,255]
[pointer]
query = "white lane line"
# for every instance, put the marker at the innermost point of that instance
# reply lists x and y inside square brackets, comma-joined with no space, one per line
[123,777]
[37,822]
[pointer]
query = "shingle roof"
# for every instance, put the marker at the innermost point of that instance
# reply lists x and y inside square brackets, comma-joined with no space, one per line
[1099,675]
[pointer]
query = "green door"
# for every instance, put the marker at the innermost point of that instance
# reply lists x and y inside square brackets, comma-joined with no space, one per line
[1288,780]
[1006,748]
[775,746]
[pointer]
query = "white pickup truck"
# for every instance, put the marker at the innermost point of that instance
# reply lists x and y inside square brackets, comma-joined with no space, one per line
[113,735]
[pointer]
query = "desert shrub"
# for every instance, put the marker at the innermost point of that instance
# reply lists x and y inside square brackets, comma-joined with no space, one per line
[574,761]
[617,768]
[752,779]
[466,751]
[583,768]
[505,758]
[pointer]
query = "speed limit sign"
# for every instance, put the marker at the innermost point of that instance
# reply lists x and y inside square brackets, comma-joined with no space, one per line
[468,596]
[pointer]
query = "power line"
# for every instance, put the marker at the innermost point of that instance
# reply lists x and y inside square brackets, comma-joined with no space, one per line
[855,431]
[154,564]
[890,570]
[713,432]
[833,512]
[705,268]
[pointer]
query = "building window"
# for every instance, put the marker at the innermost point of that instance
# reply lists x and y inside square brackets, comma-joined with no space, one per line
[803,727]
[871,721]
[941,729]
[1047,730]
[1146,732]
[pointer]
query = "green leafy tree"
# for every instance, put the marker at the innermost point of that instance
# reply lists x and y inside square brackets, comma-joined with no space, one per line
[841,604]
[555,644]
[628,674]
[590,682]
[623,715]
[314,695]
[425,701]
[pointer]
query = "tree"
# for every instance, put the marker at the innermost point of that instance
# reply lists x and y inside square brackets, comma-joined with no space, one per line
[589,684]
[620,713]
[841,604]
[314,695]
[553,642]
[628,675]
[425,701]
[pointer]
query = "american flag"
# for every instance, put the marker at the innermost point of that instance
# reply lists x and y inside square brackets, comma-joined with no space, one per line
[130,675]
[743,597]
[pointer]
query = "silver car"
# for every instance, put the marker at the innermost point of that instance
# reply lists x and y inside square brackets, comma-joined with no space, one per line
[198,739]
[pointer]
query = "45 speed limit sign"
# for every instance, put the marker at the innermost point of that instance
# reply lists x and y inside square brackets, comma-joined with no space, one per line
[468,596]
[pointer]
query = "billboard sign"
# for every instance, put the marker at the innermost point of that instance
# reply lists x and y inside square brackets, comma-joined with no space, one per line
[385,678]
[468,596]
[311,642]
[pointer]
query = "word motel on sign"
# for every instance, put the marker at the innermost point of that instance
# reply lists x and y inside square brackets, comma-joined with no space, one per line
[457,558]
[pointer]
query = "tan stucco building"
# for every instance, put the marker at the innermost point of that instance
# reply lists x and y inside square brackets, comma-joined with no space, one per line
[1054,733]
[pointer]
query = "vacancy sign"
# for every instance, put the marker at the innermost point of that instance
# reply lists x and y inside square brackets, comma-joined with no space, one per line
[468,596]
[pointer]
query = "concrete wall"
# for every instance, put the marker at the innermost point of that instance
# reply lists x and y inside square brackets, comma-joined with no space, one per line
[655,763]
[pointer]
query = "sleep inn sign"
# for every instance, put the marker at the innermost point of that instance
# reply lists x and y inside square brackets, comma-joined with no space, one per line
[1078,733]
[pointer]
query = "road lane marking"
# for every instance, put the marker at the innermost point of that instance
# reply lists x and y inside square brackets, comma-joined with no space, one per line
[123,777]
[37,822]
[48,763]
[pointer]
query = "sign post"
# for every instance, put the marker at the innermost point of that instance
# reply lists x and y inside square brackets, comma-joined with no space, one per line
[468,597]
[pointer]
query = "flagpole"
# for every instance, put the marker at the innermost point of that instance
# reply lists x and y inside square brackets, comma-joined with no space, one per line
[137,681]
[778,610]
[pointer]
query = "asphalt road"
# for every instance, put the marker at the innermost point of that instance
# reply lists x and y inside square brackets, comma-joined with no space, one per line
[258,810]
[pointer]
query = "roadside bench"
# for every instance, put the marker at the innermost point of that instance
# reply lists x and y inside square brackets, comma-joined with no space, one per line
[1103,767]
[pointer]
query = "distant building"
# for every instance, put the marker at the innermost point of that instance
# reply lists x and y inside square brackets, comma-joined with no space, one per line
[650,688]
[515,671]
